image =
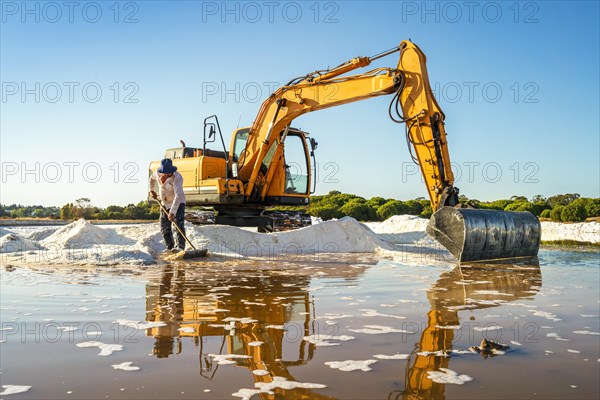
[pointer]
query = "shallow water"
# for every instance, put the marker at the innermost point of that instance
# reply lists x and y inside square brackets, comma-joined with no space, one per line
[287,319]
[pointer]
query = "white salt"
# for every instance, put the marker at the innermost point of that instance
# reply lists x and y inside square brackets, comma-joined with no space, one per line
[105,349]
[446,375]
[126,366]
[14,389]
[351,365]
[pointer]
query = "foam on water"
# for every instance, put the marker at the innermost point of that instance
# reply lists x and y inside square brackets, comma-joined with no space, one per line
[278,382]
[126,366]
[392,357]
[325,340]
[351,365]
[487,328]
[374,313]
[105,349]
[378,330]
[446,375]
[14,389]
[140,325]
[260,372]
[225,359]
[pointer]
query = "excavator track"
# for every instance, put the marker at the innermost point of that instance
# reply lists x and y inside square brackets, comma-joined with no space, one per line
[279,220]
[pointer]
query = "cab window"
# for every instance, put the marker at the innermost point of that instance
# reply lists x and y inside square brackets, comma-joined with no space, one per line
[296,166]
[239,144]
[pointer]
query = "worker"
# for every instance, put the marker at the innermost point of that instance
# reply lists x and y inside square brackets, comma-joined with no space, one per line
[170,189]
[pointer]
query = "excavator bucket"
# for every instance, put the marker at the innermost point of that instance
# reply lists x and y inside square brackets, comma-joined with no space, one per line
[474,235]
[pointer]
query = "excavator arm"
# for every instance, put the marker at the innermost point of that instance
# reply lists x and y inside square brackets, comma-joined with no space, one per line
[324,89]
[470,235]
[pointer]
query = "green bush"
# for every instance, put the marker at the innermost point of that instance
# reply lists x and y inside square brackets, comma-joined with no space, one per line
[376,202]
[392,207]
[562,199]
[359,210]
[427,212]
[414,207]
[545,213]
[573,213]
[555,213]
[593,208]
[496,205]
[520,206]
[539,207]
[325,212]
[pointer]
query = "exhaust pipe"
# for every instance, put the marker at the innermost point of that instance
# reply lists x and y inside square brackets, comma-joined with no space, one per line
[475,235]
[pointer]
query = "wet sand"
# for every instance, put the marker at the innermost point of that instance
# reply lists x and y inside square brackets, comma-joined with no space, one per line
[224,330]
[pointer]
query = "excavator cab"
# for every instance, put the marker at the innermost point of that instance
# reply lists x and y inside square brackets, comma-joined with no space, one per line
[290,184]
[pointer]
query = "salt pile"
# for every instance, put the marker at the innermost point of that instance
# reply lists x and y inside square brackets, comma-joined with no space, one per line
[40,234]
[580,231]
[342,236]
[403,229]
[82,243]
[13,243]
[77,235]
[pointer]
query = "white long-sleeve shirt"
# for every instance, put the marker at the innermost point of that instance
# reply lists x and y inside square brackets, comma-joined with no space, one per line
[171,192]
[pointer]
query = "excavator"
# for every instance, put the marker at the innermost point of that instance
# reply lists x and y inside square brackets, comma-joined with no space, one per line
[256,172]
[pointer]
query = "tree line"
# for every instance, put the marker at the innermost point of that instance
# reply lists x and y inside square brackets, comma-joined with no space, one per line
[83,208]
[570,207]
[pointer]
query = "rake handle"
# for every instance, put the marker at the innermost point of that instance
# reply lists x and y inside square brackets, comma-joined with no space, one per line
[176,226]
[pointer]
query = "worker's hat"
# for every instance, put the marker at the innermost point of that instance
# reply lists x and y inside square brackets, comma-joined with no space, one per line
[166,166]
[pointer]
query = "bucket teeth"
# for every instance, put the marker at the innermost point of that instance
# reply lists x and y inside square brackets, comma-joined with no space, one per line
[474,235]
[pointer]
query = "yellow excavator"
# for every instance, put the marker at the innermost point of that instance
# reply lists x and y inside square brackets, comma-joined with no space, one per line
[269,163]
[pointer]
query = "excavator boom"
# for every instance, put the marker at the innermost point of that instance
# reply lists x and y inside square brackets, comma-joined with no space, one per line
[469,234]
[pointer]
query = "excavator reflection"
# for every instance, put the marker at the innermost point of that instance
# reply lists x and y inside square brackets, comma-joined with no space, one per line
[242,310]
[474,287]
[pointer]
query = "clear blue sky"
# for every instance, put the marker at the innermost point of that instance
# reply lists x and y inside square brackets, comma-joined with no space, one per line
[518,82]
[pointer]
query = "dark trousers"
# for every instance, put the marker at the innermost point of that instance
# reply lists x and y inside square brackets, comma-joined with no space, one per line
[167,232]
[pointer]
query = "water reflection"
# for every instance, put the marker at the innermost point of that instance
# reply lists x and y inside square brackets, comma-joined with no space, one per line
[242,308]
[244,313]
[469,287]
